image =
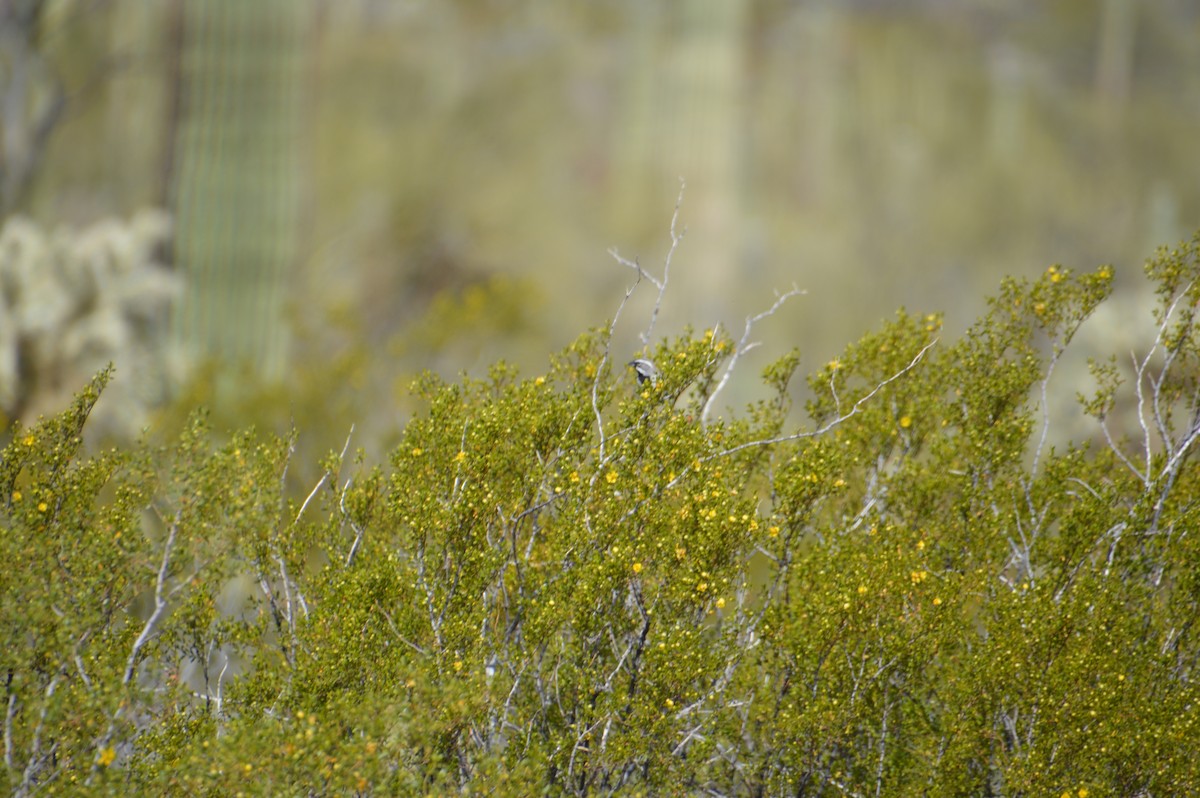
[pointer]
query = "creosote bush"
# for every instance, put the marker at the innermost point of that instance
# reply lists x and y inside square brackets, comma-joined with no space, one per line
[575,584]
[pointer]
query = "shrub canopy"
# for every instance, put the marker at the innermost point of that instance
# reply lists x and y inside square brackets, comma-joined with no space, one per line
[576,584]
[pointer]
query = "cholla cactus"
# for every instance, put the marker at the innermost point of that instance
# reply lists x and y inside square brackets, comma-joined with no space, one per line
[72,301]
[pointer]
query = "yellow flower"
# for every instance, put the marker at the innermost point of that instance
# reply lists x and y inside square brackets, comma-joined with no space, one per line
[16,495]
[106,756]
[28,440]
[458,665]
[834,364]
[720,603]
[611,477]
[937,602]
[700,588]
[773,531]
[905,422]
[918,576]
[540,381]
[862,589]
[461,456]
[417,451]
[637,567]
[574,476]
[42,507]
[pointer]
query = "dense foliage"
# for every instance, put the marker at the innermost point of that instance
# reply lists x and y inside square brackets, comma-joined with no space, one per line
[577,584]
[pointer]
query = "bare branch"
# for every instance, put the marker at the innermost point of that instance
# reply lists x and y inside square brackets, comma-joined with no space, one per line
[358,531]
[1116,450]
[36,757]
[311,493]
[160,602]
[853,411]
[9,714]
[676,237]
[744,345]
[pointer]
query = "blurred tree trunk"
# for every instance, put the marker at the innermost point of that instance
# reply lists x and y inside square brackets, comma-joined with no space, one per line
[236,185]
[137,143]
[31,99]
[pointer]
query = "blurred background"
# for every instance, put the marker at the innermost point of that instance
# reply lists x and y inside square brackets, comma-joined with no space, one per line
[301,204]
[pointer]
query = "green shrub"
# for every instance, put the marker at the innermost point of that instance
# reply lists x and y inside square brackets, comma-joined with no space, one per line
[572,584]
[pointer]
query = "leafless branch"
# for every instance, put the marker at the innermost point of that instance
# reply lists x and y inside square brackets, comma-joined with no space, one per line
[9,713]
[317,487]
[676,237]
[160,602]
[604,360]
[744,345]
[36,757]
[842,418]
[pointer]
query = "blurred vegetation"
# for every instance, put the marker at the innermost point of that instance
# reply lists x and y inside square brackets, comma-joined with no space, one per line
[400,156]
[74,301]
[570,583]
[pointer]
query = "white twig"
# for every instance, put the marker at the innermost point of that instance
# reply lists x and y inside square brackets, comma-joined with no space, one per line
[358,531]
[676,237]
[853,411]
[311,493]
[160,603]
[743,346]
[9,714]
[1140,373]
[36,758]
[604,361]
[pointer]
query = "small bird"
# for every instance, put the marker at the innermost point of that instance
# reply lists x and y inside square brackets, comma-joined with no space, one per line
[645,369]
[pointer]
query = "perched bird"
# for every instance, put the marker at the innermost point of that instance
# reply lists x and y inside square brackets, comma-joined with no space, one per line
[645,370]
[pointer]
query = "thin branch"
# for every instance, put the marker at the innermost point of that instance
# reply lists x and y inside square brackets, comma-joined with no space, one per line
[1037,453]
[396,631]
[29,777]
[604,360]
[853,411]
[1116,450]
[1168,359]
[9,714]
[661,285]
[1140,371]
[744,346]
[160,603]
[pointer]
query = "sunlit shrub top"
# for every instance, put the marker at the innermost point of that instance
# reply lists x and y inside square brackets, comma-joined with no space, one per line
[571,582]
